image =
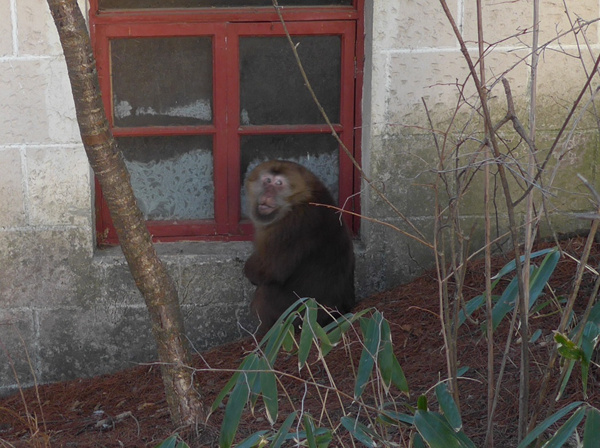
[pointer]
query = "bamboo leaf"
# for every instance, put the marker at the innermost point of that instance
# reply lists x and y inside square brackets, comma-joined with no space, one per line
[470,307]
[277,336]
[232,382]
[566,430]
[169,442]
[359,431]
[281,435]
[253,440]
[371,334]
[399,417]
[591,430]
[391,372]
[338,327]
[539,429]
[511,265]
[233,411]
[418,441]
[306,334]
[448,406]
[566,378]
[309,427]
[535,336]
[268,384]
[325,344]
[542,274]
[505,303]
[437,432]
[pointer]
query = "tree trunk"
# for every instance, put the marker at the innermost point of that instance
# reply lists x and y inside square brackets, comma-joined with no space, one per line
[150,275]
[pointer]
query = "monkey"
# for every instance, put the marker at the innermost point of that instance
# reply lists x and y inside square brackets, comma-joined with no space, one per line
[300,250]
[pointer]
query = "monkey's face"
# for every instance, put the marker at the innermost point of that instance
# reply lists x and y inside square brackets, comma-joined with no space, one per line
[269,197]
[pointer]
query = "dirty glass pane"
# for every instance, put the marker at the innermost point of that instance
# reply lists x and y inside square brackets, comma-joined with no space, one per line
[156,4]
[272,88]
[162,81]
[172,177]
[317,152]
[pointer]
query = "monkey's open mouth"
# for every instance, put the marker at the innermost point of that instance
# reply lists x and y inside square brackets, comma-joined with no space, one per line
[265,209]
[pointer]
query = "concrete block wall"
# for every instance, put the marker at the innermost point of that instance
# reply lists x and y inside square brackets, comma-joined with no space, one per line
[414,58]
[68,310]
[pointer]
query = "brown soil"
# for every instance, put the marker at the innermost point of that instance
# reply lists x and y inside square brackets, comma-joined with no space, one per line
[129,408]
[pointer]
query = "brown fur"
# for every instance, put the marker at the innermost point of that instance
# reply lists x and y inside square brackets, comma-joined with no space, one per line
[300,250]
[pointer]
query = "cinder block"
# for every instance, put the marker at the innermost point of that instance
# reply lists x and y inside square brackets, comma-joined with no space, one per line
[18,350]
[59,186]
[12,205]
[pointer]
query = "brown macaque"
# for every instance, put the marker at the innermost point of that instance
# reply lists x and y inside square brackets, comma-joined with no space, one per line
[300,250]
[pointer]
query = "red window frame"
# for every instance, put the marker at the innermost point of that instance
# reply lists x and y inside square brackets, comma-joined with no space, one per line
[226,26]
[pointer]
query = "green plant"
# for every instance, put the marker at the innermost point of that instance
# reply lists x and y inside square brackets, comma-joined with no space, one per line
[505,303]
[173,441]
[378,369]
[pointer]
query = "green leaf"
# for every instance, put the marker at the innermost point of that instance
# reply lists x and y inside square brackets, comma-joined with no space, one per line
[511,265]
[422,403]
[448,406]
[541,275]
[279,332]
[289,341]
[338,327]
[371,334]
[232,382]
[470,307]
[280,335]
[306,334]
[575,354]
[360,432]
[268,384]
[462,370]
[309,427]
[591,430]
[535,336]
[567,377]
[391,372]
[253,439]
[393,418]
[506,303]
[566,430]
[436,431]
[418,441]
[325,344]
[539,429]
[169,442]
[233,411]
[280,436]
[589,340]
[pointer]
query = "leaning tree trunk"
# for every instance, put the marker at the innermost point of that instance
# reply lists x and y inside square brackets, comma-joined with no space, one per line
[106,160]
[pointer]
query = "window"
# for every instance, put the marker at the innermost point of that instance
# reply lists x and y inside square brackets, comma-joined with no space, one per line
[198,92]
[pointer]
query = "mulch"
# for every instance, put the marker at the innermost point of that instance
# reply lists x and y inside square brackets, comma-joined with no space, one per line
[128,408]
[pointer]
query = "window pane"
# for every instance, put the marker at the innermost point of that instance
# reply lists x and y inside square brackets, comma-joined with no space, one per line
[172,177]
[162,81]
[272,88]
[155,4]
[319,153]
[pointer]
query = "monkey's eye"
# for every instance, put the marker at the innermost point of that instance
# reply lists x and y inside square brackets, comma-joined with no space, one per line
[278,182]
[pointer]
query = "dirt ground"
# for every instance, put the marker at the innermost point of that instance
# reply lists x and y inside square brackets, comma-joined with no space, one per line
[128,409]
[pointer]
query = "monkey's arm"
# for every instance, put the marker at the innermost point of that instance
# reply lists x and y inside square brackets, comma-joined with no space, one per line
[294,241]
[252,269]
